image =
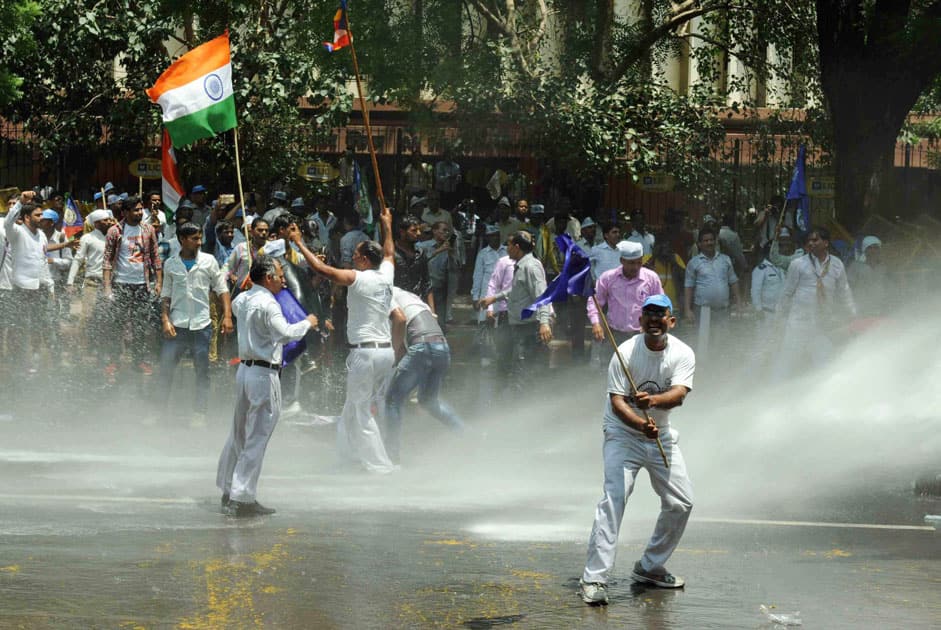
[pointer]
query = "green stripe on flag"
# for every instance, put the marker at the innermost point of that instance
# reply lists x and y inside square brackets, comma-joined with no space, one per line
[205,123]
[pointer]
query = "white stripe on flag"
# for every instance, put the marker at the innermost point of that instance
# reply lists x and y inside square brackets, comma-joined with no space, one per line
[197,95]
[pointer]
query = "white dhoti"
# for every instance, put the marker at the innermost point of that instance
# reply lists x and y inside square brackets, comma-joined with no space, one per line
[368,372]
[624,455]
[257,409]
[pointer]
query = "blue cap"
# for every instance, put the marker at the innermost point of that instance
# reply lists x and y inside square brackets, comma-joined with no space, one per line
[123,196]
[51,214]
[97,196]
[198,188]
[280,195]
[109,187]
[660,300]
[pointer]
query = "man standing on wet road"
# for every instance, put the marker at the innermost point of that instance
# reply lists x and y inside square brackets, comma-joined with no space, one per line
[662,367]
[262,331]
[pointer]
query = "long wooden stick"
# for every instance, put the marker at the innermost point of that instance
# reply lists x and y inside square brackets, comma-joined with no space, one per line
[630,379]
[362,104]
[238,175]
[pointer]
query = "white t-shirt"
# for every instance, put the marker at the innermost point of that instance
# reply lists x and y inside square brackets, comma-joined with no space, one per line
[130,264]
[369,301]
[653,372]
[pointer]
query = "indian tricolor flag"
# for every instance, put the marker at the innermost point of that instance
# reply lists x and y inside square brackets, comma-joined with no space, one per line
[195,93]
[172,188]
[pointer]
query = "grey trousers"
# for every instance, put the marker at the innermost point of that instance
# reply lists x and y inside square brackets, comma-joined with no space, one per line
[257,409]
[624,455]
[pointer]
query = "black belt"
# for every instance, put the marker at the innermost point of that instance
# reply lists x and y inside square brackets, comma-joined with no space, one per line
[370,344]
[429,339]
[263,364]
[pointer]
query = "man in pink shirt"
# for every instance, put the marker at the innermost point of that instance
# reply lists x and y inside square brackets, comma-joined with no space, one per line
[621,292]
[501,279]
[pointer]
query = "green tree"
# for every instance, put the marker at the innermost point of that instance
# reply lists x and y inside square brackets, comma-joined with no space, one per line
[17,17]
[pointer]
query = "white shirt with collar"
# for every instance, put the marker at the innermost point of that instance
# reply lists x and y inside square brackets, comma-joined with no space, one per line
[28,250]
[262,328]
[188,291]
[91,250]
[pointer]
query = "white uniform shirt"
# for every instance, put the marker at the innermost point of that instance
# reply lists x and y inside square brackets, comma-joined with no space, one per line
[654,372]
[91,251]
[767,281]
[368,301]
[262,328]
[189,290]
[28,251]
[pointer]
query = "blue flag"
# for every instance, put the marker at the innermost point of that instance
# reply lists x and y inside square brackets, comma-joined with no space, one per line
[293,312]
[574,279]
[798,192]
[72,222]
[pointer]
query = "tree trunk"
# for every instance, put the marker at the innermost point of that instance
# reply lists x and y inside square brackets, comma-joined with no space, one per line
[874,64]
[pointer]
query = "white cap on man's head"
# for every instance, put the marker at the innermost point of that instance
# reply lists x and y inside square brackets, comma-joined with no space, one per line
[97,215]
[504,201]
[588,223]
[630,250]
[492,229]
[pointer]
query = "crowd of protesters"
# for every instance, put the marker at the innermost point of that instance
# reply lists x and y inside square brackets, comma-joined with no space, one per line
[145,289]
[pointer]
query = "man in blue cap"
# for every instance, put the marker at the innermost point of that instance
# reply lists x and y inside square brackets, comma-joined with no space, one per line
[201,209]
[662,366]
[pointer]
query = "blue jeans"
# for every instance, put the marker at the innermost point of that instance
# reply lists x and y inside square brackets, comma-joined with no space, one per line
[197,342]
[423,366]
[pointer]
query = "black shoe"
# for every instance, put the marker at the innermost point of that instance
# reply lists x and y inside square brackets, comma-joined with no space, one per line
[241,510]
[225,498]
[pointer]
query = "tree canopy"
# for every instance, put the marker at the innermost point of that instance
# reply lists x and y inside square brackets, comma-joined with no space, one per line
[582,84]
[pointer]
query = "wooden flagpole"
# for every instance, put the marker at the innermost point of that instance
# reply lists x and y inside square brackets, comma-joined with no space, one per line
[238,175]
[362,104]
[630,379]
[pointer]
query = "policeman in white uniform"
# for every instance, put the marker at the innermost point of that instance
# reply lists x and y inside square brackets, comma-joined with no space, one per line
[262,331]
[662,367]
[370,362]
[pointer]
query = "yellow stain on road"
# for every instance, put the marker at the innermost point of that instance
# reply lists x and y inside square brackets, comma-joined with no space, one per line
[451,543]
[231,585]
[837,553]
[12,568]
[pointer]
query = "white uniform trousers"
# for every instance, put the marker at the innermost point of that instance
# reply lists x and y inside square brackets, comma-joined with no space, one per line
[368,372]
[257,409]
[624,456]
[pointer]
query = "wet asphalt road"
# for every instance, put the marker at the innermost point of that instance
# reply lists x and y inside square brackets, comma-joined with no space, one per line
[116,525]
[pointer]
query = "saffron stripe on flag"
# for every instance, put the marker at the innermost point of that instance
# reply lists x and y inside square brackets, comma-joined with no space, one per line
[196,63]
[203,123]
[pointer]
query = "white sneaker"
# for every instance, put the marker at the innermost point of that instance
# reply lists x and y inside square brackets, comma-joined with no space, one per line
[593,593]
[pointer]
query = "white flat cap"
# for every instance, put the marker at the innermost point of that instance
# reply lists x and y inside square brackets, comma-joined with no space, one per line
[630,250]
